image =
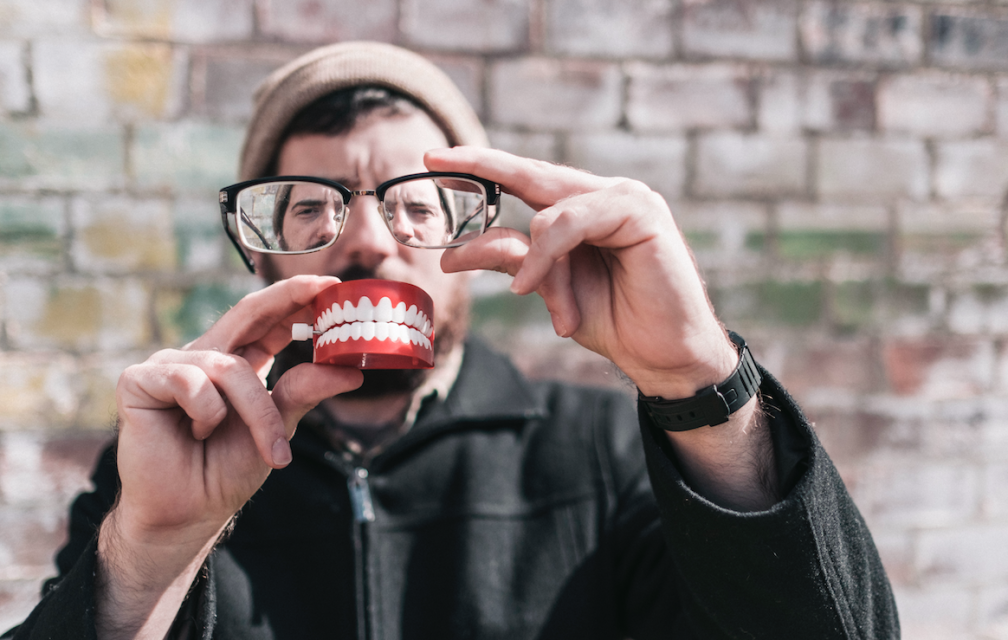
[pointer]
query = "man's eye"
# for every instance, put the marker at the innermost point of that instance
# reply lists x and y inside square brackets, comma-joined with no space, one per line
[421,211]
[308,212]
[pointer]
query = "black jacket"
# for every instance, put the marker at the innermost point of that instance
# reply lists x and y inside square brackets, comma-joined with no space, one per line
[517,510]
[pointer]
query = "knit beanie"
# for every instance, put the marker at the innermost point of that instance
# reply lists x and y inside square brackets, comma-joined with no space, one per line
[300,82]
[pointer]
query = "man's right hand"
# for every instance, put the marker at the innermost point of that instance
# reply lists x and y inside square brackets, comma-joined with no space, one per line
[198,435]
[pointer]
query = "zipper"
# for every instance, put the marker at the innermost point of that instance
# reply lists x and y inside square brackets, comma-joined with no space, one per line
[363,512]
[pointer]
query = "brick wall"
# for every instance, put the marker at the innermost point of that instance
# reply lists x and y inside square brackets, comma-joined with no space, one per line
[840,168]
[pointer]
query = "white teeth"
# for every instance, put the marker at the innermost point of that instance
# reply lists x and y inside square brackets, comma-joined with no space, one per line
[383,312]
[367,322]
[365,310]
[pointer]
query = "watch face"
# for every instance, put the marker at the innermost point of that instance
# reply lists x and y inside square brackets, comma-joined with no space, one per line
[374,324]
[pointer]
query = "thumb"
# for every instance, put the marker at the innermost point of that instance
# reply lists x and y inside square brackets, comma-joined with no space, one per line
[301,388]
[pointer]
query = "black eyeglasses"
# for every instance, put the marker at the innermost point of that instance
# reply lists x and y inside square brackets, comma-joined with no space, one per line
[301,214]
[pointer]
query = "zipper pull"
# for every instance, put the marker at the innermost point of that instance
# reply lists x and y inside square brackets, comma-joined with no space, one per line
[360,495]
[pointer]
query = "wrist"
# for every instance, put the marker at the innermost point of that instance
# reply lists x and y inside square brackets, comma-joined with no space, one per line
[711,405]
[141,581]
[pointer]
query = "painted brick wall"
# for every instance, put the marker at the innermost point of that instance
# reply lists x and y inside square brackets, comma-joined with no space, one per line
[841,169]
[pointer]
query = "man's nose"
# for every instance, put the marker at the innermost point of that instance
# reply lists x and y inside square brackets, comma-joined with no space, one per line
[365,238]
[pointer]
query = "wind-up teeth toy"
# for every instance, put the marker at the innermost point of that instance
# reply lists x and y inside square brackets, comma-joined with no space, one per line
[372,324]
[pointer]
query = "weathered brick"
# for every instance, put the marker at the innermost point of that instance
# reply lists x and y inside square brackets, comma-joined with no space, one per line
[658,161]
[972,169]
[883,34]
[86,81]
[895,547]
[933,104]
[325,22]
[688,96]
[973,553]
[796,216]
[969,39]
[177,20]
[467,74]
[610,28]
[39,390]
[541,146]
[918,493]
[1001,108]
[764,30]
[872,169]
[771,303]
[186,157]
[96,414]
[41,469]
[18,596]
[934,239]
[119,234]
[32,230]
[935,612]
[77,314]
[223,82]
[781,103]
[979,309]
[730,164]
[723,235]
[15,96]
[185,314]
[993,612]
[995,499]
[200,241]
[31,18]
[821,101]
[61,156]
[31,536]
[549,94]
[936,368]
[486,26]
[816,367]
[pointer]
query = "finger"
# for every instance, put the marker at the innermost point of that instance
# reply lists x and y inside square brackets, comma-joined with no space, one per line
[301,388]
[163,386]
[258,314]
[499,249]
[538,183]
[555,231]
[504,250]
[248,397]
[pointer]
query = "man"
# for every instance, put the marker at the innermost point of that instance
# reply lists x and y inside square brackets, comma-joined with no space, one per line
[464,501]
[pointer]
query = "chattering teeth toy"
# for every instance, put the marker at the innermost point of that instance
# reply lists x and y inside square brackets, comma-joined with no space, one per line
[372,324]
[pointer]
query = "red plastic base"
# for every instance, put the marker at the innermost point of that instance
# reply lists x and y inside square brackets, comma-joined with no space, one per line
[374,353]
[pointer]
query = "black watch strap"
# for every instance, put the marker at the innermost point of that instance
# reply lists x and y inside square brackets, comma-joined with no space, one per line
[711,405]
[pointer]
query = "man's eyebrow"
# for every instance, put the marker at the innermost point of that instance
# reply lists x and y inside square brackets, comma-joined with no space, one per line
[308,202]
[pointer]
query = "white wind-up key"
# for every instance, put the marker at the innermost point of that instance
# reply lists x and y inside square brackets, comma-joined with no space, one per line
[301,331]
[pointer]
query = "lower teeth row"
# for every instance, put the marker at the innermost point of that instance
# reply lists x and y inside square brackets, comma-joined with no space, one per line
[374,330]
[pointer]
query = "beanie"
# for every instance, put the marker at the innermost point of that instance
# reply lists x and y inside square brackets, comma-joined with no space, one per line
[302,81]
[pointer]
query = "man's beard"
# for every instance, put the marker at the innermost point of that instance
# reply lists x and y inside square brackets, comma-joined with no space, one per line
[449,330]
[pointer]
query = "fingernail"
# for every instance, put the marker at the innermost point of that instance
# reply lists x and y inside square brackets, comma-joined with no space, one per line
[558,325]
[281,452]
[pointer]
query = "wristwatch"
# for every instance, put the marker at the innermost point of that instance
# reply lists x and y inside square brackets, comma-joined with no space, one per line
[711,405]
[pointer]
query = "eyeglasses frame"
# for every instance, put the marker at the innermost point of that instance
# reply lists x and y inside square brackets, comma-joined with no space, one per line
[228,199]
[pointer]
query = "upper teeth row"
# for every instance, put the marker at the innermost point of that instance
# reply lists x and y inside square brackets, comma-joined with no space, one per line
[382,312]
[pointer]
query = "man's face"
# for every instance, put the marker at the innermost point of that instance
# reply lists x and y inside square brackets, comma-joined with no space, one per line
[378,149]
[311,217]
